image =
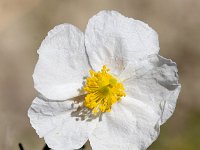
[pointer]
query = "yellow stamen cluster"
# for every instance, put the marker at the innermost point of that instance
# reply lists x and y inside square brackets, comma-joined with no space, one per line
[103,90]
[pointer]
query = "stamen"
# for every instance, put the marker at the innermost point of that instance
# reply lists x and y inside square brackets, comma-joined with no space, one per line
[103,90]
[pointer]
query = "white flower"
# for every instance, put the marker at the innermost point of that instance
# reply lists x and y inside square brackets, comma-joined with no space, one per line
[129,48]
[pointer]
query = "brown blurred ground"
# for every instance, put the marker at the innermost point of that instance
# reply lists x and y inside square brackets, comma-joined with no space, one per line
[24,23]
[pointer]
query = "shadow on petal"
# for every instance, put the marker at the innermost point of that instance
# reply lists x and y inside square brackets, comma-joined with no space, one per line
[82,113]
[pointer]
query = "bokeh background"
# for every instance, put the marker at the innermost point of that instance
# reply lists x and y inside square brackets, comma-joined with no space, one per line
[24,23]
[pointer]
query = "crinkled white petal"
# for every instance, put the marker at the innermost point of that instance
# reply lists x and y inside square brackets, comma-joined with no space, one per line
[62,63]
[153,81]
[54,120]
[131,125]
[113,39]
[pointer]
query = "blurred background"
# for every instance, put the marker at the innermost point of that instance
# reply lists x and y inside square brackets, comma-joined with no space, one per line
[24,23]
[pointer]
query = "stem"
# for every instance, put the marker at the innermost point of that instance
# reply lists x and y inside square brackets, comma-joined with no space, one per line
[20,146]
[46,147]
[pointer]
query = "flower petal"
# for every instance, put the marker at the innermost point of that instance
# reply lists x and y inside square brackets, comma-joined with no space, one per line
[113,39]
[155,82]
[131,125]
[54,121]
[62,63]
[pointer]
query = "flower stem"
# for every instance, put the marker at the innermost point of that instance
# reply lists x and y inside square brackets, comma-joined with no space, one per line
[20,146]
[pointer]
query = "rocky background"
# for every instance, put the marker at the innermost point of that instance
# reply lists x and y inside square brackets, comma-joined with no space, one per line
[24,23]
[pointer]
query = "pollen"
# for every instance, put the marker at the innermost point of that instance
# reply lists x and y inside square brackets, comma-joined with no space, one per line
[102,91]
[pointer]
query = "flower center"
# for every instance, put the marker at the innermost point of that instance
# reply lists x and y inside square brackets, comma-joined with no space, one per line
[103,90]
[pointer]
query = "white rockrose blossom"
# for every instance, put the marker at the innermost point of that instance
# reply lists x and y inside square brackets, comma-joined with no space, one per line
[109,86]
